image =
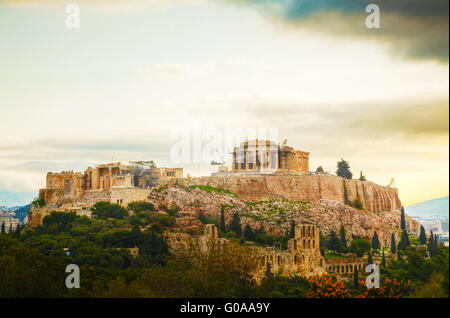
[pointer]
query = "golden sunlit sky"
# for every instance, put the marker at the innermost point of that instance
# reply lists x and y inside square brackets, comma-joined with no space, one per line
[117,87]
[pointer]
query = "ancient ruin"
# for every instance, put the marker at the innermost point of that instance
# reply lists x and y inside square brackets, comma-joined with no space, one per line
[265,156]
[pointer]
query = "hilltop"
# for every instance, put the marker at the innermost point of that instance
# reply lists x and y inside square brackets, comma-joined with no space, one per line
[431,208]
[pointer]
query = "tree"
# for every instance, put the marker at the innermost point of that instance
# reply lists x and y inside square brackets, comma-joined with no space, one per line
[292,231]
[3,229]
[375,241]
[356,279]
[17,231]
[334,244]
[393,245]
[105,210]
[235,225]
[402,219]
[433,248]
[249,234]
[222,226]
[343,169]
[320,169]
[422,236]
[383,260]
[404,241]
[362,177]
[261,229]
[268,274]
[360,247]
[369,259]
[342,239]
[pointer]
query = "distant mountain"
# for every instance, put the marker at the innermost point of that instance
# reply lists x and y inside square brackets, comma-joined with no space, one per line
[9,199]
[431,208]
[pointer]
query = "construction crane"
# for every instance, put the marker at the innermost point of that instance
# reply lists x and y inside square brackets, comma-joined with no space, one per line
[392,183]
[222,167]
[150,164]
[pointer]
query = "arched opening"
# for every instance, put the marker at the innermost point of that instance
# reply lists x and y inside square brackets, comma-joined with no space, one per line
[295,244]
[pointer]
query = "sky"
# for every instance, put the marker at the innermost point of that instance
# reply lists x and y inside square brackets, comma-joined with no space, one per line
[116,88]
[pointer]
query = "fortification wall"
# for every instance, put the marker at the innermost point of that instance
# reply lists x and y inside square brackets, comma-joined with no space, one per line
[308,188]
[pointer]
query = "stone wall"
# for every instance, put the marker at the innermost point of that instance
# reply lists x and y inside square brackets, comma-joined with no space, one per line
[308,188]
[123,196]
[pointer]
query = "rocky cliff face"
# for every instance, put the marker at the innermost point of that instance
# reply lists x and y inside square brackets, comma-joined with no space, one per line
[276,215]
[373,197]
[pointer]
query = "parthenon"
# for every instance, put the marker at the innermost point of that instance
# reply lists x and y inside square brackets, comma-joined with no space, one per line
[268,156]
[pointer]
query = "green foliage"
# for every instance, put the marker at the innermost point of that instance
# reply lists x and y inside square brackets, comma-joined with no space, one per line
[362,177]
[283,287]
[402,219]
[104,210]
[320,169]
[172,210]
[383,260]
[211,189]
[432,246]
[38,203]
[342,239]
[25,272]
[357,204]
[249,234]
[343,169]
[209,219]
[360,247]
[369,258]
[235,225]
[393,245]
[334,244]
[422,236]
[292,230]
[419,270]
[404,241]
[222,226]
[356,279]
[141,206]
[58,221]
[375,241]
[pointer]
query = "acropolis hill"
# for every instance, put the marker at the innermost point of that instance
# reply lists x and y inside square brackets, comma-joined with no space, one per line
[284,176]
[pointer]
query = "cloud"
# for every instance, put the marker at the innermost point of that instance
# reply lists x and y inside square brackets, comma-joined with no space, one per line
[414,28]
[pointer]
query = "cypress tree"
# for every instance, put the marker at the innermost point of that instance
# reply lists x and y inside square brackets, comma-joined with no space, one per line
[383,260]
[249,234]
[393,245]
[422,236]
[402,219]
[375,241]
[404,241]
[292,232]
[356,279]
[342,239]
[222,226]
[369,259]
[432,246]
[3,229]
[343,169]
[235,225]
[334,244]
[268,274]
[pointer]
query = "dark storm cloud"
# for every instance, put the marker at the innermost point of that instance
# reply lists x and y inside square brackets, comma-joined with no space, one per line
[415,28]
